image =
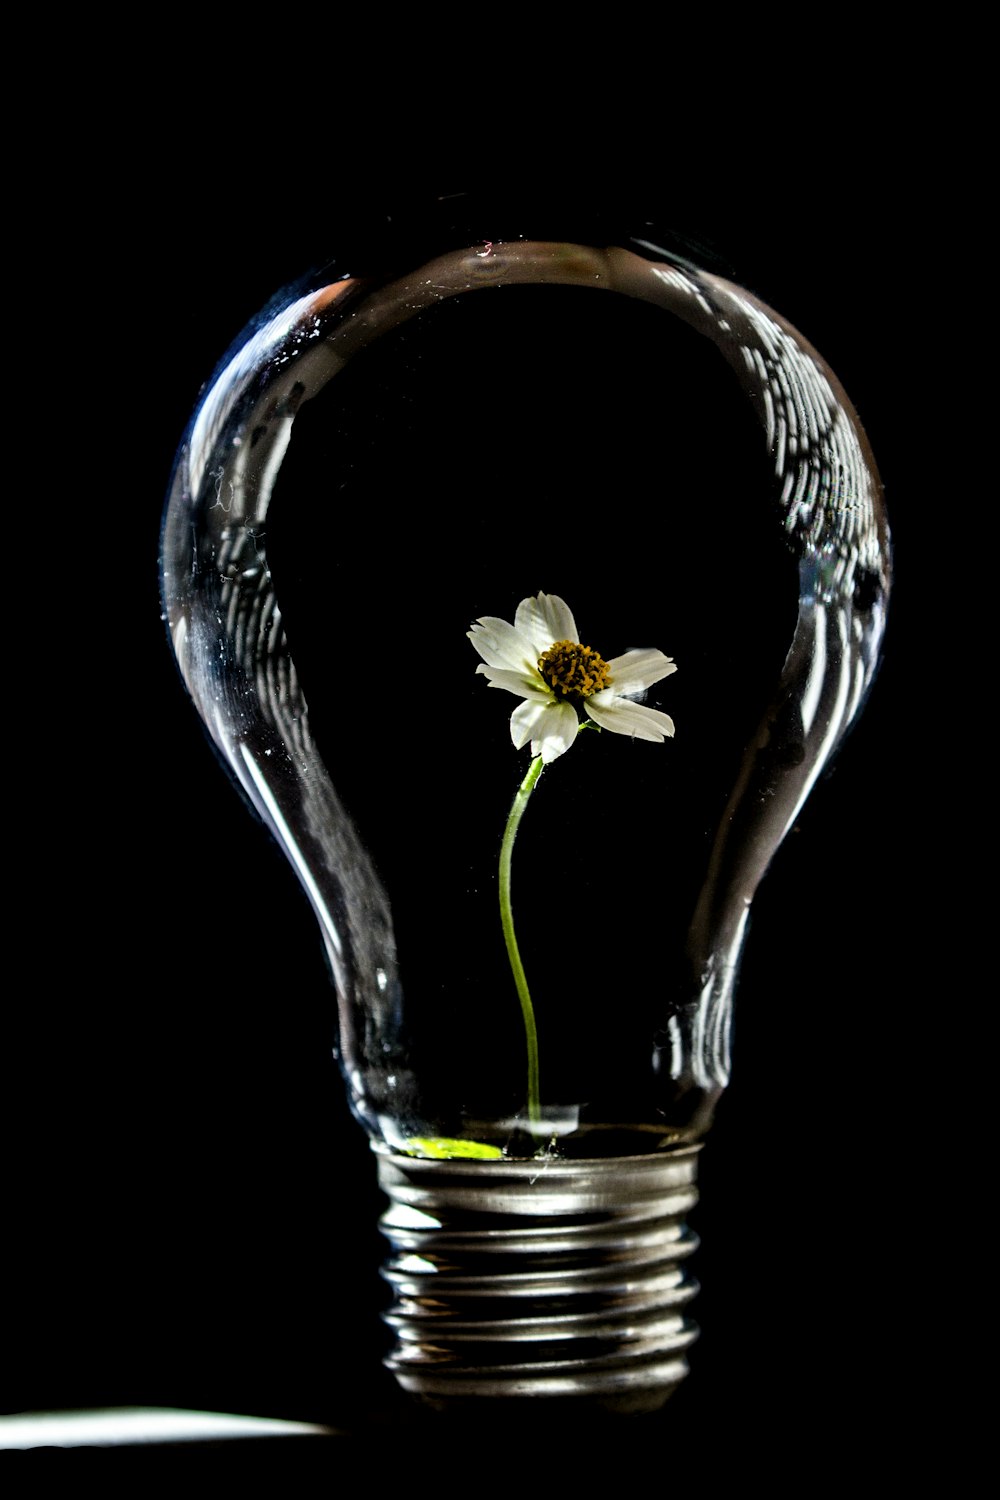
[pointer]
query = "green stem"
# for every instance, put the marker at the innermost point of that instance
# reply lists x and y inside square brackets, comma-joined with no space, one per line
[507,922]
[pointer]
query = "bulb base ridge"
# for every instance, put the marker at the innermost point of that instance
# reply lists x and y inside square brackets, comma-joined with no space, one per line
[553,1278]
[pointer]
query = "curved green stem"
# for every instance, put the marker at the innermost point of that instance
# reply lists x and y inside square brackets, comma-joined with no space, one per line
[507,922]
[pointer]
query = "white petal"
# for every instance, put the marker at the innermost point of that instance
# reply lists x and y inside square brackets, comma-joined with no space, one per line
[501,645]
[551,728]
[525,684]
[637,670]
[545,619]
[623,717]
[556,732]
[523,721]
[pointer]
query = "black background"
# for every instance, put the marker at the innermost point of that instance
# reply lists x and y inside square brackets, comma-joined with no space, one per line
[193,1212]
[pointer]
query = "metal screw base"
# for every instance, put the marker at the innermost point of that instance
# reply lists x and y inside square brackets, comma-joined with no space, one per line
[562,1279]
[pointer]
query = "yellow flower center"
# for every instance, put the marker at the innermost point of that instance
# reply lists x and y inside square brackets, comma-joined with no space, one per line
[574,671]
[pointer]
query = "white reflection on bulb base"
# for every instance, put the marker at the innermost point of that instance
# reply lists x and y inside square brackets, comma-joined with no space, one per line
[558,1279]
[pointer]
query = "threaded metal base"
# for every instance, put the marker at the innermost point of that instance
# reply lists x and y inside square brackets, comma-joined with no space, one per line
[562,1279]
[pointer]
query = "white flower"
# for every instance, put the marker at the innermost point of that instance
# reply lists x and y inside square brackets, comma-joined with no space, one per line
[540,658]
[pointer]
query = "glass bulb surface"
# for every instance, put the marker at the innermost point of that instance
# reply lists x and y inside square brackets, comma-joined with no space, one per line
[429,433]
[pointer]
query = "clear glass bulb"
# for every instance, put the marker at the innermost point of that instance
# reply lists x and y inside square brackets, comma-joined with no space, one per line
[434,430]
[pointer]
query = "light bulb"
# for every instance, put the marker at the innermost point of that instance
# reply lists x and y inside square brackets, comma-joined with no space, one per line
[469,421]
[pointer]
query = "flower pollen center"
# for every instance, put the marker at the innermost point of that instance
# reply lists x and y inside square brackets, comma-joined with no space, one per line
[574,671]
